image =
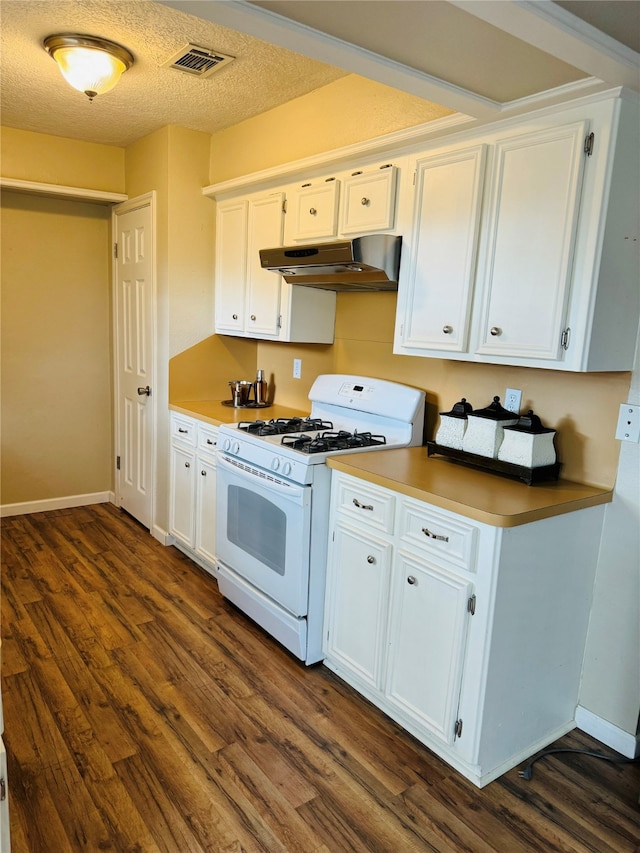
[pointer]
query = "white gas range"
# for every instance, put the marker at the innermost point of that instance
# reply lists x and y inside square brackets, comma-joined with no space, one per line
[273,498]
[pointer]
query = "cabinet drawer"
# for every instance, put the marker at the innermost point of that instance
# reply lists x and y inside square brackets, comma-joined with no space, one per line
[369,201]
[427,530]
[207,439]
[366,504]
[183,430]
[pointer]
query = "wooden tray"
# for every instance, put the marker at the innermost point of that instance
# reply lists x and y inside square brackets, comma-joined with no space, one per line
[496,466]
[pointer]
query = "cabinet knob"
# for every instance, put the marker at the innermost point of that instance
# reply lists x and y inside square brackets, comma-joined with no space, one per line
[411,580]
[364,201]
[447,329]
[235,316]
[187,464]
[312,211]
[371,559]
[496,331]
[203,473]
[357,503]
[253,316]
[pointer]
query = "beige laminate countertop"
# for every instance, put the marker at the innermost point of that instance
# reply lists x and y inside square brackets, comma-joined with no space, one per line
[214,412]
[479,495]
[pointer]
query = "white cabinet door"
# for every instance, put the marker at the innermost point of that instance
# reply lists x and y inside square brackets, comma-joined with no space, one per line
[205,527]
[358,591]
[182,500]
[439,286]
[314,207]
[535,198]
[427,642]
[369,201]
[231,265]
[265,226]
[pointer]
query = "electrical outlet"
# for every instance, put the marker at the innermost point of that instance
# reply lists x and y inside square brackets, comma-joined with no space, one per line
[628,428]
[297,368]
[512,400]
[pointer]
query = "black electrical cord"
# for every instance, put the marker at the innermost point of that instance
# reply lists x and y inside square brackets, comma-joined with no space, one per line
[527,772]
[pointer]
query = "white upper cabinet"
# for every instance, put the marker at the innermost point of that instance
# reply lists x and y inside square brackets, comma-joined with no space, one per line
[342,204]
[369,200]
[531,229]
[441,264]
[554,281]
[252,302]
[314,209]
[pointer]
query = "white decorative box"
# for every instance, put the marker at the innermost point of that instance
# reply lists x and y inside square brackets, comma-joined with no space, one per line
[453,425]
[485,429]
[528,443]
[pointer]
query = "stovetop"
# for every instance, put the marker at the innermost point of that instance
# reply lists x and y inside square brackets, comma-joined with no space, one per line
[349,414]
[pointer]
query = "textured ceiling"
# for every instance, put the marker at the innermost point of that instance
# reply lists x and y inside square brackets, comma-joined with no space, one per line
[35,97]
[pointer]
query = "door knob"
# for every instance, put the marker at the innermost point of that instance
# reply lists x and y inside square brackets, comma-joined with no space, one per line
[146,391]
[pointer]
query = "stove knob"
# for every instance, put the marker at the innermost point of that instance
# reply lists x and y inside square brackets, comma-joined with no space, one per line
[286,469]
[226,444]
[235,449]
[275,464]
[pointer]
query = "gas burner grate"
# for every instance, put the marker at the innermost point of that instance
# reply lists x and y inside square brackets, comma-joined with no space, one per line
[330,442]
[283,426]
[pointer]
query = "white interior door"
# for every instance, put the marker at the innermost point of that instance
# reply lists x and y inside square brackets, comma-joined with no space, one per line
[135,410]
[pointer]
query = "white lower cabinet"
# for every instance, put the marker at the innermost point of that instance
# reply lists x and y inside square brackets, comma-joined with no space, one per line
[192,510]
[469,636]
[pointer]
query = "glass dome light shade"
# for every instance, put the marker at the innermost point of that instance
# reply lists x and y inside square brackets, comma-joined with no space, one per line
[91,65]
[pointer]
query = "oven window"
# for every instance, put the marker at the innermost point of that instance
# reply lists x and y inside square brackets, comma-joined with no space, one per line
[257,526]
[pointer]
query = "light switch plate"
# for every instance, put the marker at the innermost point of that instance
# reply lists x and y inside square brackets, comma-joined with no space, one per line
[628,428]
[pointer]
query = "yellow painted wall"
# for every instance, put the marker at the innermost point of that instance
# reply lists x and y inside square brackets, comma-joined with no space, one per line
[56,349]
[344,112]
[55,160]
[56,321]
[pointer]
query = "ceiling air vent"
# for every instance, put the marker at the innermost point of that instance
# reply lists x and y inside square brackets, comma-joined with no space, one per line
[199,61]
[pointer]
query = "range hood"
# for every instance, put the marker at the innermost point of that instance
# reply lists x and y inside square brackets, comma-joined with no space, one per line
[361,264]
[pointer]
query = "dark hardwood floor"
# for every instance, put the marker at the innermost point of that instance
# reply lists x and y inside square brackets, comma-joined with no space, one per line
[145,713]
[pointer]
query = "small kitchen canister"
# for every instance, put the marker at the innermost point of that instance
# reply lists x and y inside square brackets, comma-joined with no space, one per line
[485,429]
[453,425]
[528,443]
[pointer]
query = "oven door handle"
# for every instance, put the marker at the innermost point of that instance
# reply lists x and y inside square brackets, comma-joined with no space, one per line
[261,477]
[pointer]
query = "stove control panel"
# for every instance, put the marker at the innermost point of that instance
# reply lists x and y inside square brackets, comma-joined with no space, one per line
[355,391]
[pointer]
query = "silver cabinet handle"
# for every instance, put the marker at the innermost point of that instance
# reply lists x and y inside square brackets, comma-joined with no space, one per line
[371,559]
[253,316]
[210,442]
[411,580]
[181,429]
[364,201]
[431,535]
[312,211]
[447,329]
[357,503]
[203,473]
[187,464]
[235,316]
[146,391]
[496,331]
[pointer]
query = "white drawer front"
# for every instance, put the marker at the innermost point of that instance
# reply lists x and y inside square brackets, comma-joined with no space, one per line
[366,504]
[207,439]
[439,535]
[183,430]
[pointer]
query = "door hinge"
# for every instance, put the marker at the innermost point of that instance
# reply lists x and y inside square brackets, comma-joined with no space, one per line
[284,205]
[3,790]
[588,144]
[279,321]
[564,338]
[415,175]
[115,250]
[457,729]
[471,605]
[117,463]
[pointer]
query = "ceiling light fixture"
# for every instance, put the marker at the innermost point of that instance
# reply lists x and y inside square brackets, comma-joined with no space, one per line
[91,65]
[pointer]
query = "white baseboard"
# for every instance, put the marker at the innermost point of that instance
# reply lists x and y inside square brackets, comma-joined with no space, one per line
[56,503]
[623,742]
[163,536]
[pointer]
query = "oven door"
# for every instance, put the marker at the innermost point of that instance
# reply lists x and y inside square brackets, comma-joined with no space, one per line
[263,528]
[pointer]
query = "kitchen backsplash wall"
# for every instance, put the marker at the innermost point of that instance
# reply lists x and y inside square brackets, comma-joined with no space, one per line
[583,408]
